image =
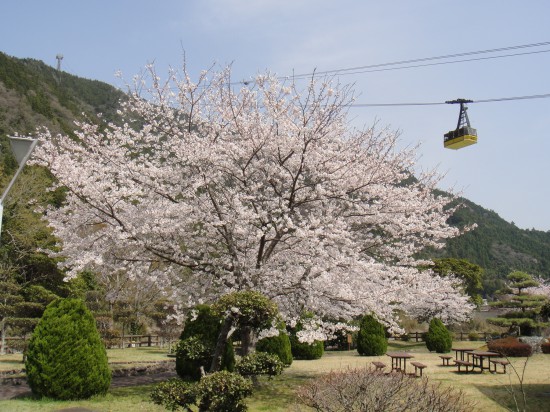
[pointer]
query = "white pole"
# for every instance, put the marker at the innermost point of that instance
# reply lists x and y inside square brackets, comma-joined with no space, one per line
[18,146]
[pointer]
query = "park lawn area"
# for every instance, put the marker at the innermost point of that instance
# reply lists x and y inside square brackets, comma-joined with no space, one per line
[489,391]
[132,356]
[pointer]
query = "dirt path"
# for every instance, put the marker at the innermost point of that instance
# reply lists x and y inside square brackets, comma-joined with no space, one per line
[10,391]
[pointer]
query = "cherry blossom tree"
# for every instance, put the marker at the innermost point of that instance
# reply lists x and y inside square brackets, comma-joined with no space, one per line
[266,187]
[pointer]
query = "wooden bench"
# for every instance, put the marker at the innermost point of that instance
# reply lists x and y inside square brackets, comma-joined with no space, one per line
[501,362]
[461,363]
[445,359]
[418,367]
[379,365]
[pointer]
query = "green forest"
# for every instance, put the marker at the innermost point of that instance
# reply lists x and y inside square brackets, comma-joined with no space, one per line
[33,94]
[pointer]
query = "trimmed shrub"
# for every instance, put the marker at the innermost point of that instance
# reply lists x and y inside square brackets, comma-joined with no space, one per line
[545,347]
[197,344]
[66,358]
[510,346]
[438,338]
[369,390]
[260,363]
[371,339]
[277,345]
[306,351]
[174,394]
[223,391]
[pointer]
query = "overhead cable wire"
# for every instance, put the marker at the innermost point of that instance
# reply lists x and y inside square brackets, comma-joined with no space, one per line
[499,99]
[366,68]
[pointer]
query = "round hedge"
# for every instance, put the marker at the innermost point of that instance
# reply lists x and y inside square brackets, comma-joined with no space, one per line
[277,345]
[438,338]
[306,351]
[197,343]
[371,339]
[66,358]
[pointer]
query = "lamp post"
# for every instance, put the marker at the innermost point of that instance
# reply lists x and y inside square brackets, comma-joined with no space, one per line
[22,148]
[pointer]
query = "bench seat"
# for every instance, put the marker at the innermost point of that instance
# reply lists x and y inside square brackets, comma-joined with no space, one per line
[495,362]
[379,365]
[445,359]
[466,364]
[418,367]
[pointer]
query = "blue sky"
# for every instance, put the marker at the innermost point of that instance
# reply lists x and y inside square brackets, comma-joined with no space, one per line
[507,171]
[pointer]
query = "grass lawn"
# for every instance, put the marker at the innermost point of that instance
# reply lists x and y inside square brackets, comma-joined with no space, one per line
[489,391]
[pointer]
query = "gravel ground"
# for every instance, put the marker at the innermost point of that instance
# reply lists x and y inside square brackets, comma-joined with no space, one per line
[10,391]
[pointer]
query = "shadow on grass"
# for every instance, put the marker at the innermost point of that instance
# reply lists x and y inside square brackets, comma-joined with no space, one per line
[408,345]
[537,396]
[277,394]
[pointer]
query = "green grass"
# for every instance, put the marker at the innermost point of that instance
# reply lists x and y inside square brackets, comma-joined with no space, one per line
[489,391]
[133,355]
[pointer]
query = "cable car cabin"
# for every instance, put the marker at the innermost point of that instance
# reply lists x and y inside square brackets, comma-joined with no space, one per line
[459,138]
[464,135]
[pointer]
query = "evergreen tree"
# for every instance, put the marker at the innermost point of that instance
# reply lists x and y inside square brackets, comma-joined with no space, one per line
[371,339]
[66,358]
[438,338]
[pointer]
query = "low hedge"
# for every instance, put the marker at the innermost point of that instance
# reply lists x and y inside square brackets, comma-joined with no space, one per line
[510,346]
[545,347]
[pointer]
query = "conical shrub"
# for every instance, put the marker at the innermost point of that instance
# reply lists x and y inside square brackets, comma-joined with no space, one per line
[66,358]
[371,339]
[438,338]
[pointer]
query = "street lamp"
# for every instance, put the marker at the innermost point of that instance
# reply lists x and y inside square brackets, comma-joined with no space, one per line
[22,148]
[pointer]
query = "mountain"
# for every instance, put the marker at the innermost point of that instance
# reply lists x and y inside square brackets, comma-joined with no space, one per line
[33,94]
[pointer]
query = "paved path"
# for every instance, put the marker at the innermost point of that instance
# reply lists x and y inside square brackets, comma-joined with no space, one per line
[13,391]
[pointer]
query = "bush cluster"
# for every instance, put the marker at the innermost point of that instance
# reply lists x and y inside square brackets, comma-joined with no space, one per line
[260,363]
[277,345]
[510,346]
[174,394]
[66,358]
[545,347]
[304,350]
[218,392]
[438,338]
[371,339]
[368,390]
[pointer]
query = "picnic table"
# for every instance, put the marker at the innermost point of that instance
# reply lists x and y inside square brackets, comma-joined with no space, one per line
[480,356]
[461,351]
[399,360]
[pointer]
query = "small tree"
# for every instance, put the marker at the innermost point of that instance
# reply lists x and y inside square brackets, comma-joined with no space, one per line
[250,311]
[470,274]
[438,338]
[524,307]
[66,358]
[371,339]
[198,342]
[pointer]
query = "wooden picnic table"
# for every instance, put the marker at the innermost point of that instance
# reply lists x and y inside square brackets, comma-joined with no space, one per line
[399,360]
[480,356]
[461,351]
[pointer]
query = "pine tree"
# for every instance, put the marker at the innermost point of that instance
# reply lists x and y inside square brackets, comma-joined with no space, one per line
[66,358]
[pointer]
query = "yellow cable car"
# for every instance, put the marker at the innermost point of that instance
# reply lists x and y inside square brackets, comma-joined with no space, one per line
[464,135]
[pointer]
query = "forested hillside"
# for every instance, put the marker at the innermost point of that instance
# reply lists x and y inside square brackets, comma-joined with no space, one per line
[33,94]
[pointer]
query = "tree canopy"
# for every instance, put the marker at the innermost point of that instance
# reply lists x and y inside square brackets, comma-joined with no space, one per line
[264,188]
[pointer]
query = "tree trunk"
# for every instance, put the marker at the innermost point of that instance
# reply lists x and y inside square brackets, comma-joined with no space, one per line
[3,332]
[247,340]
[220,344]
